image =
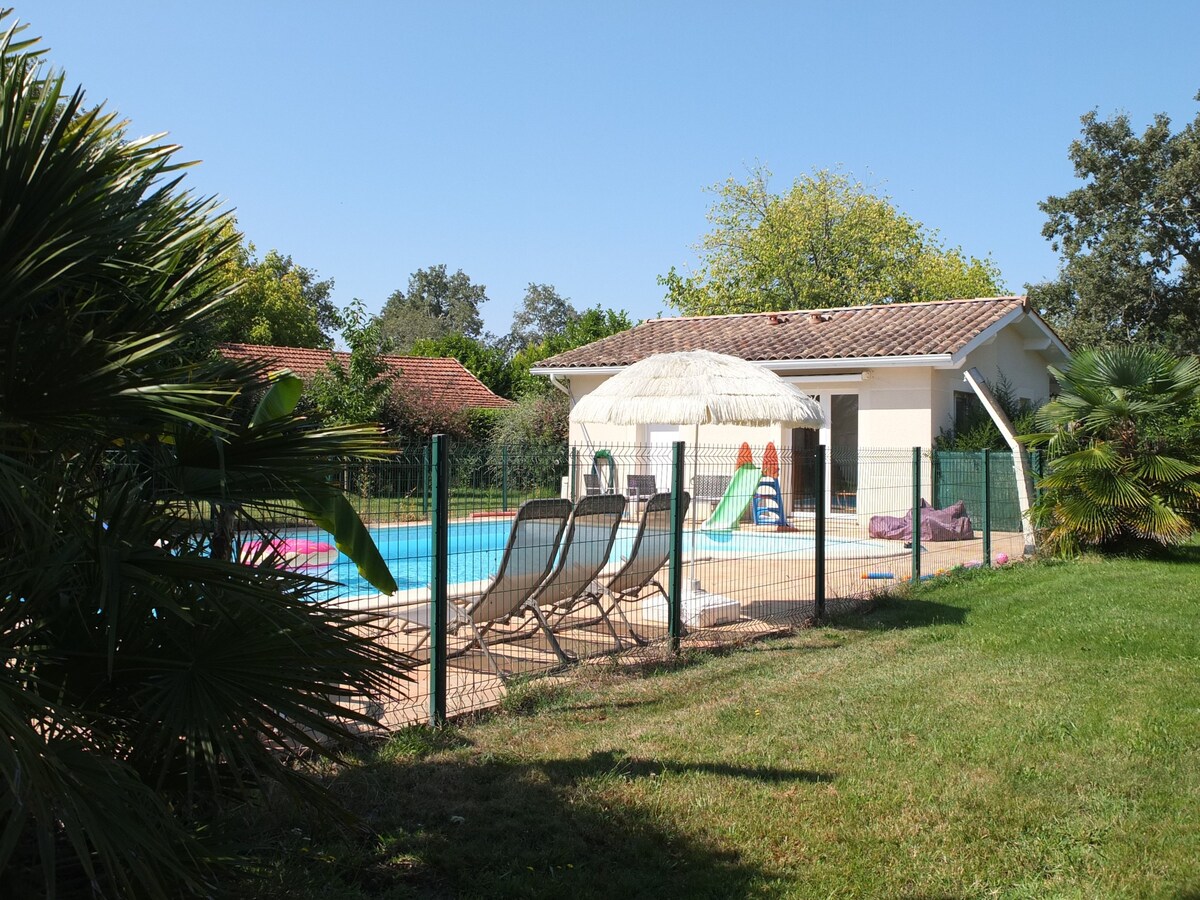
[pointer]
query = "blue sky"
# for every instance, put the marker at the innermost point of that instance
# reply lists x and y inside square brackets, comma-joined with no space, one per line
[572,143]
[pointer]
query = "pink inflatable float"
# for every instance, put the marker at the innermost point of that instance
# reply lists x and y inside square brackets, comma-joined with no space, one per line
[291,553]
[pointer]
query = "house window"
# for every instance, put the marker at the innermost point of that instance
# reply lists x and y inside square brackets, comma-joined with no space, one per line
[967,411]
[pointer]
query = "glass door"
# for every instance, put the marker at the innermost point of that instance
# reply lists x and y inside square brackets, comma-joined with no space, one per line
[660,440]
[804,467]
[840,436]
[843,453]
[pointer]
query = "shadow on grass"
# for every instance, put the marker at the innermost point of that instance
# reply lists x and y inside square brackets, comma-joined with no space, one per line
[1188,555]
[617,763]
[487,826]
[902,610]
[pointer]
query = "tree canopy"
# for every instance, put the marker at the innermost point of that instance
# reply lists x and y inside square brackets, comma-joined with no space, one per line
[826,242]
[543,313]
[436,304]
[273,301]
[1129,238]
[361,390]
[590,325]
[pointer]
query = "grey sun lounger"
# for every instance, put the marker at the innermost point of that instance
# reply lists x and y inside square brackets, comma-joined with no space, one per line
[651,548]
[528,556]
[586,546]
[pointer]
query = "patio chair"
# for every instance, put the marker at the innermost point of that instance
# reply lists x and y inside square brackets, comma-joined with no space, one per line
[528,556]
[710,488]
[651,548]
[591,485]
[586,546]
[639,489]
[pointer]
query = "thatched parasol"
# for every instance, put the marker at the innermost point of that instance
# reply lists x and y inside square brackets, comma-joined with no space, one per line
[697,387]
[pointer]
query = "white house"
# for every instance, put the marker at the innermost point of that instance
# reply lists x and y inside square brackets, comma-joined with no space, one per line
[888,377]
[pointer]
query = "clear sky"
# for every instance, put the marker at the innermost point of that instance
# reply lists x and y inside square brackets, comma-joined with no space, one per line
[571,143]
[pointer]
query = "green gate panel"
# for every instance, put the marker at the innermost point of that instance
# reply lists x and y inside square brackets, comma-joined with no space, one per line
[959,476]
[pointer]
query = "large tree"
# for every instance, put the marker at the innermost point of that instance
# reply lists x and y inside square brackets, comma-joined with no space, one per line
[828,241]
[1129,238]
[274,300]
[543,312]
[435,304]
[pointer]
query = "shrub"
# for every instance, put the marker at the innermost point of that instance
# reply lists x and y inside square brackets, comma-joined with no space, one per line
[529,442]
[1124,473]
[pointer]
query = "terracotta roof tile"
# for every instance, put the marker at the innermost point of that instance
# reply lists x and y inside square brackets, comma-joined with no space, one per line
[854,332]
[442,380]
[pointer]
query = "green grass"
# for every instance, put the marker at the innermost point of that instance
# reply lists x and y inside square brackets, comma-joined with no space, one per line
[1031,732]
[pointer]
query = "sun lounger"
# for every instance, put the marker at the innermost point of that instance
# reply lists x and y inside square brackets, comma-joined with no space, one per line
[528,556]
[586,546]
[651,548]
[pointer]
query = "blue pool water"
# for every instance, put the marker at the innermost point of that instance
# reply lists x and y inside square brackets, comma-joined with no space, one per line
[476,548]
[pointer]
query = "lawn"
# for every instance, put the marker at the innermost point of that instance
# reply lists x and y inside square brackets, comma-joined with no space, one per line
[1029,732]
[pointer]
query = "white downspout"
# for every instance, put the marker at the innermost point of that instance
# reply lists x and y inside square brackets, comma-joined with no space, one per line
[1020,467]
[565,388]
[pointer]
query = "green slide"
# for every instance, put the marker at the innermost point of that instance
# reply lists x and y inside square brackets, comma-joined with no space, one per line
[733,505]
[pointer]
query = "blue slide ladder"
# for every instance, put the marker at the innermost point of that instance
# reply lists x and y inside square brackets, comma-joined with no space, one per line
[768,503]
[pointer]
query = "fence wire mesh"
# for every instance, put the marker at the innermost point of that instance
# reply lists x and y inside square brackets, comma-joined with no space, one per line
[557,555]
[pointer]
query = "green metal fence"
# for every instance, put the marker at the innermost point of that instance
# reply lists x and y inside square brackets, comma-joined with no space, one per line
[490,547]
[959,476]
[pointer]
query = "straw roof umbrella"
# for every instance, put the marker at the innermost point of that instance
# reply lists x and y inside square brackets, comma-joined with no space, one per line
[698,387]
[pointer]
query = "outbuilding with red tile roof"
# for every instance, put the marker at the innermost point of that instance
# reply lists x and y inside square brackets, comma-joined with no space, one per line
[443,381]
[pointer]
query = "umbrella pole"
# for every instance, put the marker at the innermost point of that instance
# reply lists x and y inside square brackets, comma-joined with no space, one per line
[693,585]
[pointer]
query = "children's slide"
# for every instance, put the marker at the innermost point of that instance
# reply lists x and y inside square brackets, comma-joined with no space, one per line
[738,496]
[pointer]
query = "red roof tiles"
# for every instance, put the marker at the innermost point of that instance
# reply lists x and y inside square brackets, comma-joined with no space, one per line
[855,332]
[442,380]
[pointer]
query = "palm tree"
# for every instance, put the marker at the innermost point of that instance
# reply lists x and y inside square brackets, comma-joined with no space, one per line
[1124,473]
[147,677]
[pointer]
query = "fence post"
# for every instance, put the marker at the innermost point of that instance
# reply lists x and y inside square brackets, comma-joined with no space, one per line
[935,478]
[439,575]
[425,481]
[504,477]
[819,526]
[916,515]
[987,507]
[574,471]
[675,571]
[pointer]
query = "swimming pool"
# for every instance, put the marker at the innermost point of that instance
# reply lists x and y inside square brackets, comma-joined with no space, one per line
[476,548]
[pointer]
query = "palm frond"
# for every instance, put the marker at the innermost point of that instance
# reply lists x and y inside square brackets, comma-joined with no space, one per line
[147,676]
